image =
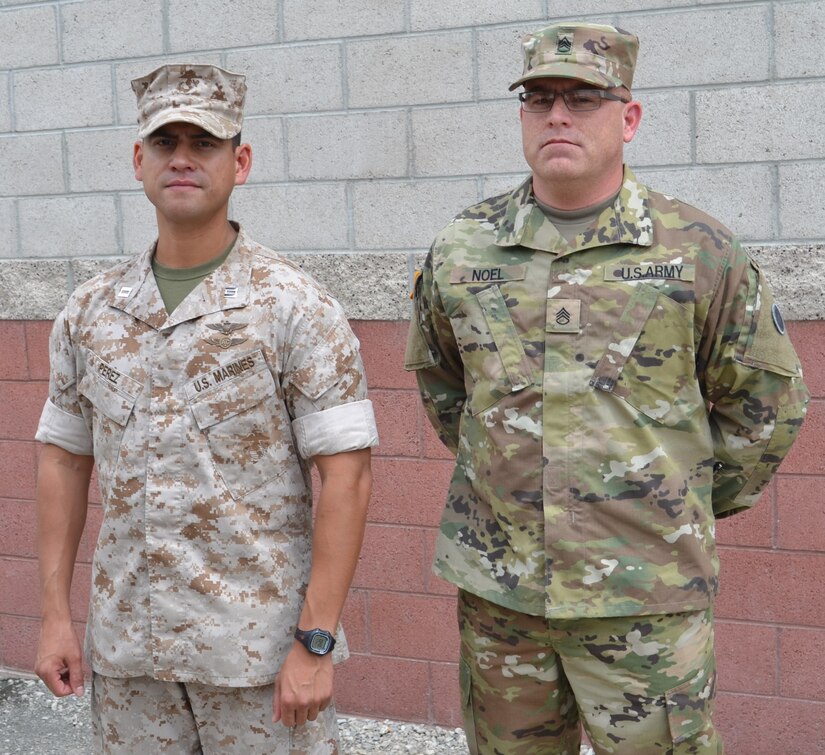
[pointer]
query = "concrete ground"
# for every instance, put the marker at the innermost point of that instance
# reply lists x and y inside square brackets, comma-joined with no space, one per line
[34,722]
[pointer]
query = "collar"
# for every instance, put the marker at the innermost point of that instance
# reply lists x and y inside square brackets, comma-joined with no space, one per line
[135,292]
[626,221]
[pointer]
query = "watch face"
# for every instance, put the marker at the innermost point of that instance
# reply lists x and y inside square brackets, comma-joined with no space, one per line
[319,643]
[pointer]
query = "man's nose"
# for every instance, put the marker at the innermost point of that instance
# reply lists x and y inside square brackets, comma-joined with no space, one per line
[558,112]
[181,157]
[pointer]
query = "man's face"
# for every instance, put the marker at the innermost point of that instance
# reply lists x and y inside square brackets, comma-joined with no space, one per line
[577,156]
[188,174]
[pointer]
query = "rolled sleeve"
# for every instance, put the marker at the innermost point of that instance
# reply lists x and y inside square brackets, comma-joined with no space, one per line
[61,428]
[346,427]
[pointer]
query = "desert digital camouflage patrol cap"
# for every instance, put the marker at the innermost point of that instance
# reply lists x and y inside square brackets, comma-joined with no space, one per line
[204,95]
[598,54]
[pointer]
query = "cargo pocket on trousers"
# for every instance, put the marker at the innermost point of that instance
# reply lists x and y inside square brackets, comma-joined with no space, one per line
[690,706]
[465,683]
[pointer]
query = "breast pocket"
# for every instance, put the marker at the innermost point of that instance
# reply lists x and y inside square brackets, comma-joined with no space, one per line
[112,396]
[492,353]
[248,437]
[650,362]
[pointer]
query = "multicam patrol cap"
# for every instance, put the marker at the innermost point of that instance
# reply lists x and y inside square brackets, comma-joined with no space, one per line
[204,95]
[598,54]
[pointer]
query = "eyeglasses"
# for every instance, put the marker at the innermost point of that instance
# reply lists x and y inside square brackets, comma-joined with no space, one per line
[577,100]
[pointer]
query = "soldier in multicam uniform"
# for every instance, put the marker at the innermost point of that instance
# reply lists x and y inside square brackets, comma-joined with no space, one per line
[203,378]
[613,375]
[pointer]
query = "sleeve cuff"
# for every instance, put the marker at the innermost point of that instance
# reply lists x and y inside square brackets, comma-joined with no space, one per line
[346,427]
[64,429]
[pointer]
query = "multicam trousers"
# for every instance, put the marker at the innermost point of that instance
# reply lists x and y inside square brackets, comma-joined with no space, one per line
[142,715]
[640,685]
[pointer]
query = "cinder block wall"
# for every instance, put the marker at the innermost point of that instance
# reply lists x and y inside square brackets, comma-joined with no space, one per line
[372,123]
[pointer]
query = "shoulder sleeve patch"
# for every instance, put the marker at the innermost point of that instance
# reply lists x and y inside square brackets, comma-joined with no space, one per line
[764,342]
[417,355]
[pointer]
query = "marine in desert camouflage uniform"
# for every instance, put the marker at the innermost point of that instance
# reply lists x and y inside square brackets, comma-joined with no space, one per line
[203,377]
[613,375]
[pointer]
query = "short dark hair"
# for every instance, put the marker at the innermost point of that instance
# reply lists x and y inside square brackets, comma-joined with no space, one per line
[236,140]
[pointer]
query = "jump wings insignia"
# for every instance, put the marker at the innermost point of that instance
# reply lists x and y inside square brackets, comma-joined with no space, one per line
[224,341]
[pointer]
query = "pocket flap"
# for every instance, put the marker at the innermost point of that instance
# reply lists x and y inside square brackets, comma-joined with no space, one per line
[689,705]
[110,392]
[223,395]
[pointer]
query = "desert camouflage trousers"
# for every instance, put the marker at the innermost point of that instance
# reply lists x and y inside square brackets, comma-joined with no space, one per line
[142,715]
[640,685]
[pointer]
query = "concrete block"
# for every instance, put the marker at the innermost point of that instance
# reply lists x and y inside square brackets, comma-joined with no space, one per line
[702,47]
[737,645]
[801,201]
[802,296]
[291,79]
[356,145]
[383,344]
[401,617]
[63,97]
[297,216]
[266,135]
[5,102]
[445,691]
[33,289]
[774,122]
[623,6]
[369,286]
[664,135]
[28,37]
[101,160]
[431,68]
[802,499]
[499,60]
[430,480]
[798,31]
[807,338]
[70,226]
[217,25]
[492,186]
[106,29]
[740,196]
[467,139]
[366,686]
[86,269]
[761,586]
[802,657]
[140,225]
[125,72]
[450,14]
[8,221]
[342,18]
[392,215]
[31,164]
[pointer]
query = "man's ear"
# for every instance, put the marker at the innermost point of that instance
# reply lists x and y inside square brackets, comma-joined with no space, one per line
[632,119]
[137,160]
[243,163]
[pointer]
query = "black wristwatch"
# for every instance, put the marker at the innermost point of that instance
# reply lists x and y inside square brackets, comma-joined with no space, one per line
[317,641]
